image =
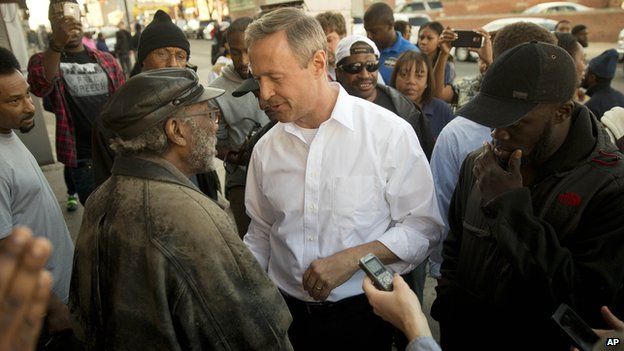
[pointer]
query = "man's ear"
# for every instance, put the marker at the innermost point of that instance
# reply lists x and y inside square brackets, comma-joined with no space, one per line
[319,63]
[176,132]
[564,112]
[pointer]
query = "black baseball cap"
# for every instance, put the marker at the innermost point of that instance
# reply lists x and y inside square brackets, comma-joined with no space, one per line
[248,85]
[518,80]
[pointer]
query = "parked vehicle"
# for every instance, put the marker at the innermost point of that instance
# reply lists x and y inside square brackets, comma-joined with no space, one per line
[556,7]
[418,6]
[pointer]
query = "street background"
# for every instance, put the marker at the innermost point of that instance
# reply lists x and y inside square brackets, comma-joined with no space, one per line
[200,56]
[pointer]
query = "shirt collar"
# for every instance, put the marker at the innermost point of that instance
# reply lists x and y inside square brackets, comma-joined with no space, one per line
[396,47]
[341,113]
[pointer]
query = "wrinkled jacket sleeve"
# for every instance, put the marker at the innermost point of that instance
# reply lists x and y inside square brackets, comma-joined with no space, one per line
[585,269]
[39,85]
[226,300]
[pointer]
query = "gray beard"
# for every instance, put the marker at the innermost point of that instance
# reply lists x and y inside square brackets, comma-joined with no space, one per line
[201,159]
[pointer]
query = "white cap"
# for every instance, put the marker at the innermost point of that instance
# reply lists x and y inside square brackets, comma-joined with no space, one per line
[344,47]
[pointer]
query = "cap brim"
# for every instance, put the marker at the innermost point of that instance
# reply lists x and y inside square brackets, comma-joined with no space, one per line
[209,93]
[248,85]
[493,112]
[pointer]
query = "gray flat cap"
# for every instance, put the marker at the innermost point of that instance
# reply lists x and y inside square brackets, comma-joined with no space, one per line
[151,97]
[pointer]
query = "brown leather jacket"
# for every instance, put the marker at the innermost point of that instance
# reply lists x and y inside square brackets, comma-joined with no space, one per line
[159,266]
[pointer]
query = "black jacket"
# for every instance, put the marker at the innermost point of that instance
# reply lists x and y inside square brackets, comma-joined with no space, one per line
[603,98]
[410,112]
[508,265]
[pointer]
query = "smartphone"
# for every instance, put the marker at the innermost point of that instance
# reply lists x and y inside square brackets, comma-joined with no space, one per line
[377,272]
[577,331]
[71,9]
[467,39]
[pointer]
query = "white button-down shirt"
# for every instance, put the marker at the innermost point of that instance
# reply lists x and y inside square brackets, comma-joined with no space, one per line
[364,177]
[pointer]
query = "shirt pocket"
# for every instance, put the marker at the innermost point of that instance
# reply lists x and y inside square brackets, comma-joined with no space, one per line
[355,201]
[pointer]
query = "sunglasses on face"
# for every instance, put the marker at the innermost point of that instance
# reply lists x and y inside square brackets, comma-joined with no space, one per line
[357,67]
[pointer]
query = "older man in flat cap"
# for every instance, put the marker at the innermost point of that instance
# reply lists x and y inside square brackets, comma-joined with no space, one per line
[158,265]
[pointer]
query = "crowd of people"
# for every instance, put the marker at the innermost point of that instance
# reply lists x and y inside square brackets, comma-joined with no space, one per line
[507,185]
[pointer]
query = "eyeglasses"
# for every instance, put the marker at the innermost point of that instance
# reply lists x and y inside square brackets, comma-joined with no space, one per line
[165,55]
[357,67]
[214,114]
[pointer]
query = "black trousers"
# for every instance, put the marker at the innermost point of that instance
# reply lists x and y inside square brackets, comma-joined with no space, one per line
[348,324]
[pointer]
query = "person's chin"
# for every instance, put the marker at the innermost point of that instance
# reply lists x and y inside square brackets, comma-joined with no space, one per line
[27,127]
[73,44]
[243,73]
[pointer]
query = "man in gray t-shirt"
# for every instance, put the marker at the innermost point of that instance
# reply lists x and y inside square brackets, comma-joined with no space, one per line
[25,195]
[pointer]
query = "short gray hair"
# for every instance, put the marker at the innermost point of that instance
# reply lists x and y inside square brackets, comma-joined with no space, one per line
[304,33]
[153,141]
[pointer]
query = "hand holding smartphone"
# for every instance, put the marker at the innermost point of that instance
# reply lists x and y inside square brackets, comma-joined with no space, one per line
[467,39]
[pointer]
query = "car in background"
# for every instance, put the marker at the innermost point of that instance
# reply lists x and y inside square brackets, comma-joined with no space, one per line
[463,54]
[500,23]
[620,46]
[418,6]
[556,7]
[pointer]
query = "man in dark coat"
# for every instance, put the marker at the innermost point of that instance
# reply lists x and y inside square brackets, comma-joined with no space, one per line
[536,218]
[158,265]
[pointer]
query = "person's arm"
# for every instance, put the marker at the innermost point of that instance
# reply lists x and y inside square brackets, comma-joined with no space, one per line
[411,198]
[442,90]
[260,213]
[402,309]
[44,68]
[445,168]
[25,288]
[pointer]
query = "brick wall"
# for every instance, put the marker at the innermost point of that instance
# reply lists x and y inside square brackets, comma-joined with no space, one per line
[603,25]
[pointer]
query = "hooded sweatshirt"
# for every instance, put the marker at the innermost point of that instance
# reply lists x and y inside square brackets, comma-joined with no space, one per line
[240,117]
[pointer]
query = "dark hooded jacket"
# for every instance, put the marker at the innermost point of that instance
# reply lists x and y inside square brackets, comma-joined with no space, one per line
[159,266]
[509,264]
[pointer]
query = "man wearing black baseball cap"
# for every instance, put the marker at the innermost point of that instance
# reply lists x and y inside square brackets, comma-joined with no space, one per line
[158,265]
[536,218]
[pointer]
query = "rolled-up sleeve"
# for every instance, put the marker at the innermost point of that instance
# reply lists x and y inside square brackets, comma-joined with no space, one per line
[413,205]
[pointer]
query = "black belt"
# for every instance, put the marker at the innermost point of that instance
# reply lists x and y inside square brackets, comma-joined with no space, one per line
[298,306]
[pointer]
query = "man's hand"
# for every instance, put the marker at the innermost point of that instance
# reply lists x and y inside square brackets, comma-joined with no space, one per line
[485,51]
[325,274]
[24,289]
[492,179]
[399,307]
[64,29]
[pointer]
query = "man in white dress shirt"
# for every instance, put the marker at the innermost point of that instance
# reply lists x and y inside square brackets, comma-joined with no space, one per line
[337,178]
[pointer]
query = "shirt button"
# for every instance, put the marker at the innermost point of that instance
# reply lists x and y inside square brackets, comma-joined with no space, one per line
[310,238]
